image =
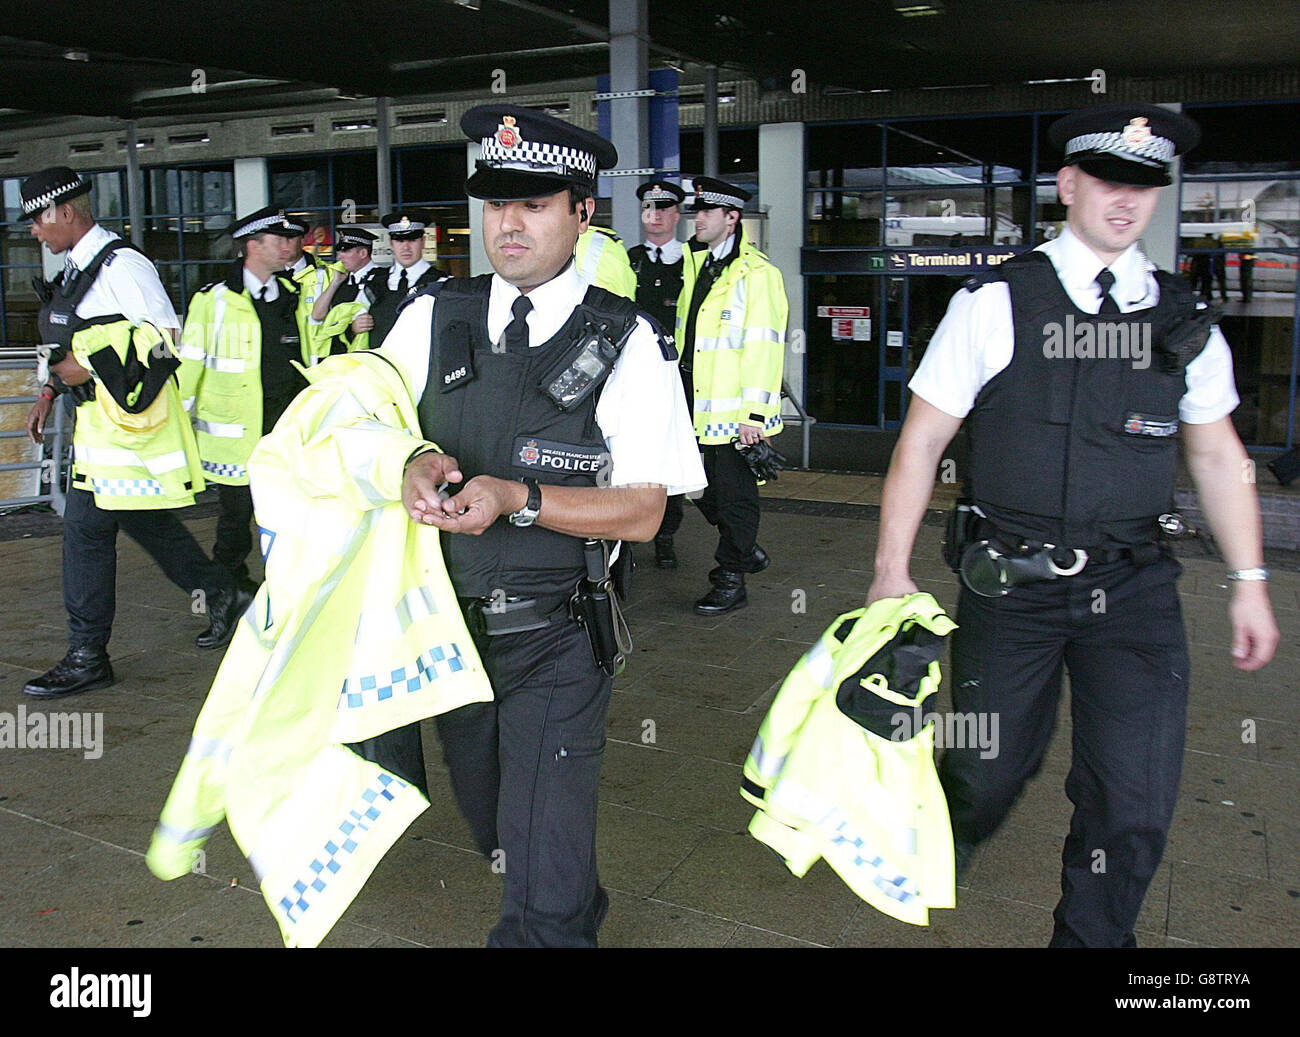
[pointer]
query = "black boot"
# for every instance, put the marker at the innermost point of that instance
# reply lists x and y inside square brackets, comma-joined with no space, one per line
[758,561]
[728,594]
[225,607]
[665,556]
[84,668]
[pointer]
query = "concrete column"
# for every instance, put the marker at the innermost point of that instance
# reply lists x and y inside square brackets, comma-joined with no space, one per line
[384,154]
[1160,242]
[711,120]
[478,258]
[252,185]
[134,187]
[781,196]
[629,55]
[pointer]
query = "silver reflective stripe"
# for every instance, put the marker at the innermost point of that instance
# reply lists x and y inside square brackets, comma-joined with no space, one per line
[768,766]
[704,345]
[206,748]
[106,455]
[592,259]
[821,665]
[188,404]
[415,604]
[225,364]
[758,396]
[182,835]
[763,335]
[218,429]
[189,352]
[730,403]
[167,462]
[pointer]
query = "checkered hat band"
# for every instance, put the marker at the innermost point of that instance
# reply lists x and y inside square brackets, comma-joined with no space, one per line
[351,239]
[1157,149]
[410,228]
[532,157]
[42,200]
[658,194]
[259,225]
[717,198]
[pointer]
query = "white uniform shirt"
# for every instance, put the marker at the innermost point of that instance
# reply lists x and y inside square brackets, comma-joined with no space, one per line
[299,266]
[720,252]
[976,338]
[359,277]
[669,252]
[255,286]
[413,273]
[642,409]
[129,285]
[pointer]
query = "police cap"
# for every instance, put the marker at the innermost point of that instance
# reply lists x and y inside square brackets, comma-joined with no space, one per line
[662,194]
[401,227]
[270,220]
[712,193]
[1125,143]
[528,154]
[52,186]
[351,236]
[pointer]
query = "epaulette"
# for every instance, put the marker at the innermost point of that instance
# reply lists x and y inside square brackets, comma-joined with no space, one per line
[424,291]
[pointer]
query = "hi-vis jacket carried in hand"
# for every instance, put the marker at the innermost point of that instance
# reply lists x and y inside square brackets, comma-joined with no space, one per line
[832,775]
[133,446]
[355,633]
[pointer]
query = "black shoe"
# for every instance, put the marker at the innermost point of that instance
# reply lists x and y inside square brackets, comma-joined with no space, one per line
[962,854]
[83,669]
[727,595]
[665,556]
[224,609]
[758,562]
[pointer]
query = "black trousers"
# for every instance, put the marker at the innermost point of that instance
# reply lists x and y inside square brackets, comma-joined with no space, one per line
[525,770]
[90,562]
[730,502]
[673,515]
[1118,630]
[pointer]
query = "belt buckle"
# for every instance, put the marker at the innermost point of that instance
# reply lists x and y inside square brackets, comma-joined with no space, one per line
[1076,567]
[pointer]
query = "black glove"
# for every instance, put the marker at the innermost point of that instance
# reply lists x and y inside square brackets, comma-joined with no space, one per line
[764,460]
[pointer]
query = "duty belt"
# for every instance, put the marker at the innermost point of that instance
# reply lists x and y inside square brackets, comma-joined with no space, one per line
[509,614]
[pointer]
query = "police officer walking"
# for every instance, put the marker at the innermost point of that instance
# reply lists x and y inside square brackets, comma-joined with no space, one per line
[241,337]
[1073,460]
[555,432]
[731,318]
[341,315]
[658,267]
[311,274]
[410,271]
[134,456]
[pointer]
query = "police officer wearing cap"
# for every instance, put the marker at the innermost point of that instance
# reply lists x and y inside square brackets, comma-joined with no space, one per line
[311,273]
[241,338]
[1073,459]
[731,318]
[658,267]
[409,273]
[341,316]
[106,280]
[558,417]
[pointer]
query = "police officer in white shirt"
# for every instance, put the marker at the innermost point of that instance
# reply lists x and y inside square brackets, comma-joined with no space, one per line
[1074,366]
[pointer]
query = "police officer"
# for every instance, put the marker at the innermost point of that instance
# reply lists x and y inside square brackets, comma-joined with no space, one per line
[312,274]
[241,337]
[603,261]
[410,272]
[341,316]
[553,432]
[658,267]
[731,317]
[1073,460]
[122,478]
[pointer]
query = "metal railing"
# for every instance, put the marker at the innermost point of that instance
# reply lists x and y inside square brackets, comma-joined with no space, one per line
[806,421]
[56,442]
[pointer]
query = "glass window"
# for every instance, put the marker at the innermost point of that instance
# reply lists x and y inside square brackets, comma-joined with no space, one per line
[431,174]
[959,151]
[1245,139]
[948,216]
[299,183]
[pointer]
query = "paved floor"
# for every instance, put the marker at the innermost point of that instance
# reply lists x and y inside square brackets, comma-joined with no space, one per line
[673,848]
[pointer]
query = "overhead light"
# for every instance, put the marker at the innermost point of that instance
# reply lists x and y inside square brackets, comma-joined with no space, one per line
[917,8]
[473,5]
[76,55]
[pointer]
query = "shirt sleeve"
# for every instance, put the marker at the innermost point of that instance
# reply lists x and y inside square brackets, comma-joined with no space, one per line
[1211,385]
[973,342]
[136,286]
[409,342]
[643,417]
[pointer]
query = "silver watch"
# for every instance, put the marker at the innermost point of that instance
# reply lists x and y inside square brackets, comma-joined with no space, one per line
[1249,575]
[527,515]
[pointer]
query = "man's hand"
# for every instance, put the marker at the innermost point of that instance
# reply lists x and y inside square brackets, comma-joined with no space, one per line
[363,322]
[887,586]
[484,499]
[421,481]
[70,371]
[36,419]
[1254,630]
[749,435]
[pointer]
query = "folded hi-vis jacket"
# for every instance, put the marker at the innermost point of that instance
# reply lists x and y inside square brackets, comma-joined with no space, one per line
[355,632]
[843,768]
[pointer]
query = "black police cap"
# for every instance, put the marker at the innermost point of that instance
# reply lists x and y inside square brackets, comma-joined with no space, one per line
[351,236]
[663,194]
[1125,143]
[268,220]
[52,186]
[528,154]
[401,227]
[712,193]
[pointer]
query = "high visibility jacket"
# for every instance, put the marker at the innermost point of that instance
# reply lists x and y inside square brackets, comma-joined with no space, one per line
[602,260]
[132,447]
[738,355]
[335,327]
[355,633]
[843,767]
[312,280]
[221,375]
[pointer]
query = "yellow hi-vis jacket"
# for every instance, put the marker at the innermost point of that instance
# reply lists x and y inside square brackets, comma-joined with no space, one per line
[312,280]
[739,352]
[133,456]
[338,321]
[869,801]
[355,632]
[221,376]
[602,260]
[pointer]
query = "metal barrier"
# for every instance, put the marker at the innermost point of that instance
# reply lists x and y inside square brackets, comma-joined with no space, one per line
[56,442]
[804,419]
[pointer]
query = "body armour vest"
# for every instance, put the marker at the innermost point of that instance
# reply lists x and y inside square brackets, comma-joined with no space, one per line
[490,410]
[1073,443]
[281,344]
[57,320]
[657,285]
[384,308]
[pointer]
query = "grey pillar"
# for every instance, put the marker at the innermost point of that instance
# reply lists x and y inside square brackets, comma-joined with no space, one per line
[629,54]
[478,257]
[383,155]
[134,187]
[711,120]
[1160,241]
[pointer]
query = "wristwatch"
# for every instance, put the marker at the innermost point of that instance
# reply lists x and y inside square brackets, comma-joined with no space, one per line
[1249,575]
[527,515]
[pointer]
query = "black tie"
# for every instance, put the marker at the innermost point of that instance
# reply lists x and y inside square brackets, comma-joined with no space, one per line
[1105,280]
[261,295]
[401,283]
[516,336]
[658,254]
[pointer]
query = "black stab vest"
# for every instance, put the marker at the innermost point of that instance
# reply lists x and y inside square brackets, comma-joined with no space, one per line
[487,410]
[657,285]
[281,344]
[1080,451]
[384,308]
[57,320]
